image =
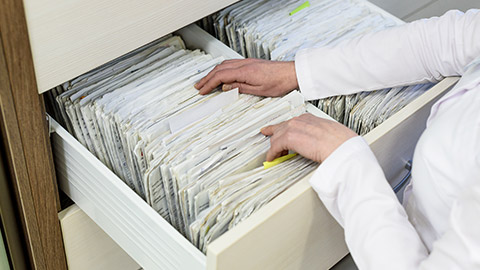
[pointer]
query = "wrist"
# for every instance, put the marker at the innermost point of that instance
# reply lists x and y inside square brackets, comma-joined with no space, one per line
[292,75]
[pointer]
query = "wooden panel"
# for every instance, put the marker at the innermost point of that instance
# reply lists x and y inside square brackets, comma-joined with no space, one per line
[87,246]
[18,168]
[29,150]
[72,37]
[12,227]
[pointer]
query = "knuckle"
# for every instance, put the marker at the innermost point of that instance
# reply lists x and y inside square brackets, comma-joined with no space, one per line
[215,69]
[293,123]
[217,75]
[225,63]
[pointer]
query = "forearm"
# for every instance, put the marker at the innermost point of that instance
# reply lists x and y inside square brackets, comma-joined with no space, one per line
[418,52]
[352,186]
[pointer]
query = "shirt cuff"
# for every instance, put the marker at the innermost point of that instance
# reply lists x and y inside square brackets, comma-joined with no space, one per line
[304,75]
[326,180]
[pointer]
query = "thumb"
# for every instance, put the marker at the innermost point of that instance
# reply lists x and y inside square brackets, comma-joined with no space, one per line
[268,130]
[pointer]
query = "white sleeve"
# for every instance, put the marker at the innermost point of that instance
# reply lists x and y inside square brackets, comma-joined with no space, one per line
[459,247]
[421,51]
[353,188]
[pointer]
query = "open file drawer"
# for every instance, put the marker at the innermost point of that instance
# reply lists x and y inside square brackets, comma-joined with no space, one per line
[292,231]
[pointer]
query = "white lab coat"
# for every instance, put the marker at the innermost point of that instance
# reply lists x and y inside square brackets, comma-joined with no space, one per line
[439,228]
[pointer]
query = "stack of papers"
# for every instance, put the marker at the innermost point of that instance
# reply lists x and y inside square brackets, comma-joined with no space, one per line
[265,29]
[197,160]
[276,30]
[364,111]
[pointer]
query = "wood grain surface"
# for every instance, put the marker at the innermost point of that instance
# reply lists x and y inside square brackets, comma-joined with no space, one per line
[27,142]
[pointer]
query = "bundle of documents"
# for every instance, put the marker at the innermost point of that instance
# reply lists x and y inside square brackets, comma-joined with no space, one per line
[197,160]
[364,111]
[276,30]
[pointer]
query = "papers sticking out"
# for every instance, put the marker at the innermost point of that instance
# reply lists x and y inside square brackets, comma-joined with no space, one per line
[197,160]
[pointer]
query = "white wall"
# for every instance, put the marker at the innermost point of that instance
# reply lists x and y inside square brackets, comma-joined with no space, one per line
[410,10]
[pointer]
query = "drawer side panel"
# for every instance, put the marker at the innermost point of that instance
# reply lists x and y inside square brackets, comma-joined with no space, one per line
[121,213]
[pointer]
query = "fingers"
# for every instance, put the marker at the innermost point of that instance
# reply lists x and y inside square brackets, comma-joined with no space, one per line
[226,76]
[224,65]
[269,130]
[227,64]
[278,147]
[278,142]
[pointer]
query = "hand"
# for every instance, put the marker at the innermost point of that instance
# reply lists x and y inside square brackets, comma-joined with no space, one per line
[251,76]
[312,137]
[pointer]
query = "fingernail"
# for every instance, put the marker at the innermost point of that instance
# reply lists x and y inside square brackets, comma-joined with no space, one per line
[226,87]
[196,85]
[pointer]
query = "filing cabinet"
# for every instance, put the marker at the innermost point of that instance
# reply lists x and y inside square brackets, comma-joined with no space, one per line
[294,231]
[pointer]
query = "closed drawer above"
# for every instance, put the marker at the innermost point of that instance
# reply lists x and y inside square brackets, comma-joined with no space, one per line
[69,38]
